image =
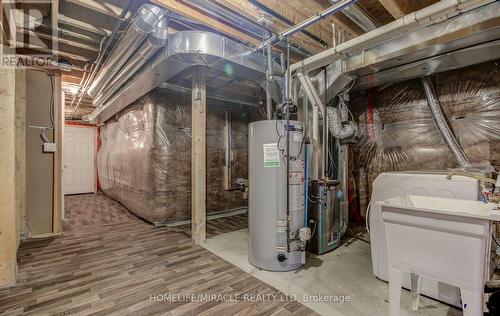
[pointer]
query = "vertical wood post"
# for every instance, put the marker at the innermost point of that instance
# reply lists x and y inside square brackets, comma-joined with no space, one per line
[58,128]
[20,109]
[198,155]
[8,213]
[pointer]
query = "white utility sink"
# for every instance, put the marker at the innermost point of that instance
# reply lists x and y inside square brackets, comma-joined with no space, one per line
[456,207]
[447,240]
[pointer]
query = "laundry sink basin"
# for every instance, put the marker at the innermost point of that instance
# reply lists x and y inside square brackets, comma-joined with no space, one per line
[444,239]
[455,207]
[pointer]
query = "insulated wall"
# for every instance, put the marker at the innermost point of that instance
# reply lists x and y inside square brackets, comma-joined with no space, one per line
[399,133]
[145,158]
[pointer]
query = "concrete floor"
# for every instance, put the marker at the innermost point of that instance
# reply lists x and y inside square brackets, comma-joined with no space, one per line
[346,271]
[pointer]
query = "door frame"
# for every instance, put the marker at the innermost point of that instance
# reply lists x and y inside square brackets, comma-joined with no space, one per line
[96,146]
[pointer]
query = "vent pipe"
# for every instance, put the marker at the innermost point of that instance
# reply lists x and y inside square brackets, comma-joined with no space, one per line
[442,125]
[306,23]
[155,41]
[147,18]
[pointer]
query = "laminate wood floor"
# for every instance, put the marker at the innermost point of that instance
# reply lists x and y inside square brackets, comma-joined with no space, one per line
[120,265]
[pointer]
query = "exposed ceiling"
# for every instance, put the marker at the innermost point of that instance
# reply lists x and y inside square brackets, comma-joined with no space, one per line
[84,27]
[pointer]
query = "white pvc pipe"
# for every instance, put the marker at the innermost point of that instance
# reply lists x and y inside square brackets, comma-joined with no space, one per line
[434,13]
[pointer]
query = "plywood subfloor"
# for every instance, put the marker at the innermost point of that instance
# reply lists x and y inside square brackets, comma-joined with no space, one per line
[115,265]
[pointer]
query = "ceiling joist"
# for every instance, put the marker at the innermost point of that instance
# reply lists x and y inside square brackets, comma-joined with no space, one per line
[393,8]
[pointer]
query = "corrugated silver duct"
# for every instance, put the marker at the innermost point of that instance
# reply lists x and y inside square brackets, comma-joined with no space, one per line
[154,42]
[337,129]
[442,125]
[147,18]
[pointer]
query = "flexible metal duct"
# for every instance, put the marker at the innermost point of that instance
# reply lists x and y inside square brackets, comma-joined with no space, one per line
[147,18]
[337,129]
[442,125]
[154,42]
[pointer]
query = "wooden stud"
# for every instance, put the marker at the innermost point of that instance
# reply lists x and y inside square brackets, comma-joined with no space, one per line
[8,221]
[251,12]
[297,11]
[195,15]
[107,8]
[21,151]
[58,128]
[83,26]
[198,155]
[393,8]
[227,181]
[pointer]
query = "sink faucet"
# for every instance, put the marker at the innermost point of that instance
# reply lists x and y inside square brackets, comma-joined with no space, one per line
[471,175]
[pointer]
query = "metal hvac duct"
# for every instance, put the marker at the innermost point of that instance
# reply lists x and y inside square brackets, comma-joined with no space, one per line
[184,50]
[155,41]
[147,18]
[432,14]
[442,125]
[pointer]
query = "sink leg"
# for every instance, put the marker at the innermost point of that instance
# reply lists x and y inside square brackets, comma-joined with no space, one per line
[472,303]
[395,283]
[416,285]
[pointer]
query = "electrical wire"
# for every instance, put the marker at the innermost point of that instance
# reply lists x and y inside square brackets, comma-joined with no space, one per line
[495,240]
[45,130]
[367,213]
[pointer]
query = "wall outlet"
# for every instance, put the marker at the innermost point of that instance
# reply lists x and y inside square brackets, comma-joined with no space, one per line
[49,147]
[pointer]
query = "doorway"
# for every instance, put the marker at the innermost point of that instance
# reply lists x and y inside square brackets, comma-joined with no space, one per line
[79,159]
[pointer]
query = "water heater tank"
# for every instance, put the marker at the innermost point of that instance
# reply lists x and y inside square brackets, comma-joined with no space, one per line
[269,225]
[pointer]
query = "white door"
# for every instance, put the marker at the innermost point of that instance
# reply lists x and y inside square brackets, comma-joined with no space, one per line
[79,159]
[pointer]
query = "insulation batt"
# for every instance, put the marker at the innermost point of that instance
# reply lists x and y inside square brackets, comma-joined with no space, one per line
[399,133]
[145,158]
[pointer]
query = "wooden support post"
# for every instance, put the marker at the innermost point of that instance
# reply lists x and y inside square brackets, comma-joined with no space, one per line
[227,152]
[58,128]
[21,151]
[198,155]
[8,213]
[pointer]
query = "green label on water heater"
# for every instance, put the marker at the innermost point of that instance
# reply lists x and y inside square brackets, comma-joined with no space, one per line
[271,155]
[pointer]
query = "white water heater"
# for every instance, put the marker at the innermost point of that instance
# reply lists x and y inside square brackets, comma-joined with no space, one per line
[273,223]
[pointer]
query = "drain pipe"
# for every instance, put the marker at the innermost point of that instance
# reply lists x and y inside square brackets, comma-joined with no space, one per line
[147,18]
[444,128]
[306,23]
[155,42]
